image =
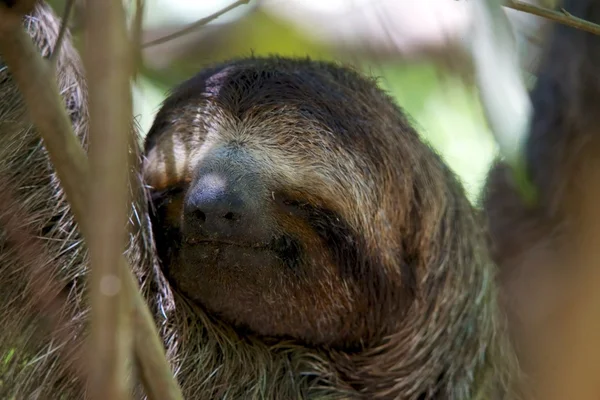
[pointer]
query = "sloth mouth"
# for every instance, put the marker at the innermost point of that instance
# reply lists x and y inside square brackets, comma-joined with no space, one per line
[285,248]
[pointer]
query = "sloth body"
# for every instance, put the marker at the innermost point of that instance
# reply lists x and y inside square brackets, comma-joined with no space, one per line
[299,241]
[310,244]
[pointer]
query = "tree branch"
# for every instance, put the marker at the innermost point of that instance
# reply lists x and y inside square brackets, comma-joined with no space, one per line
[36,81]
[64,23]
[136,36]
[562,16]
[195,25]
[108,70]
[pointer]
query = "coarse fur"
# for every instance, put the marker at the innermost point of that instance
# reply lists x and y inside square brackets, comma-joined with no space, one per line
[43,269]
[534,244]
[400,303]
[391,294]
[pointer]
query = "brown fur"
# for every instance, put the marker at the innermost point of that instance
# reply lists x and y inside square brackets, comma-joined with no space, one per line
[402,305]
[535,246]
[36,354]
[395,300]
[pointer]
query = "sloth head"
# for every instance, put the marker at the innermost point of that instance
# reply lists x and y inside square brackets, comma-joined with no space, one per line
[293,199]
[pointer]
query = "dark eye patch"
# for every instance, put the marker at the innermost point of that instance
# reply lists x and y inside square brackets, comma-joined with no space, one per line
[346,245]
[165,223]
[289,251]
[160,198]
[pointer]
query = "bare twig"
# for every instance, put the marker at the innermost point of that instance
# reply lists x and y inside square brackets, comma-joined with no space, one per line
[136,37]
[563,16]
[108,69]
[37,84]
[63,31]
[192,27]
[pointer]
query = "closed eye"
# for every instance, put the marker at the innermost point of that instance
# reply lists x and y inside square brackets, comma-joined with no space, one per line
[295,203]
[291,206]
[160,197]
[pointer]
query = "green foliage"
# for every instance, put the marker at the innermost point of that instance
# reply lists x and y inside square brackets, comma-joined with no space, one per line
[446,112]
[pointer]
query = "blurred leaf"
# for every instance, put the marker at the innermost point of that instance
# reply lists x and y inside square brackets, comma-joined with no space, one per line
[502,89]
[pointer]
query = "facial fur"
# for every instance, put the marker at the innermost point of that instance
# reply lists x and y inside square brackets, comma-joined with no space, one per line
[293,200]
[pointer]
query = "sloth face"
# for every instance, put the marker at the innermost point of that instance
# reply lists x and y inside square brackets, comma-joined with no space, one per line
[285,197]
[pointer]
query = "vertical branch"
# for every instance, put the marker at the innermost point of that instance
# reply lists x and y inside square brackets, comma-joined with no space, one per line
[37,84]
[63,31]
[136,36]
[108,67]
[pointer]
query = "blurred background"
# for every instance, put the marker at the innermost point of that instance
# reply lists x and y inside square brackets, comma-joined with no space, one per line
[415,48]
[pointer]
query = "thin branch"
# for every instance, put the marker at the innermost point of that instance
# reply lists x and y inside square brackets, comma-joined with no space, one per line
[63,31]
[563,16]
[37,84]
[194,26]
[108,70]
[136,37]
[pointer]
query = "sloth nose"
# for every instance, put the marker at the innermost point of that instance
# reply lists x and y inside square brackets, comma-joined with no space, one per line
[217,210]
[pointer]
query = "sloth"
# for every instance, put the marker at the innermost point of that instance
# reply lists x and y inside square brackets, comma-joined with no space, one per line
[295,204]
[295,238]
